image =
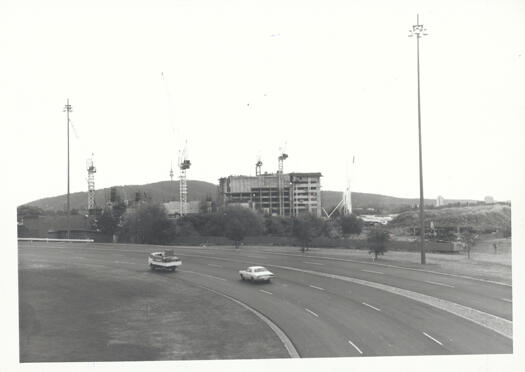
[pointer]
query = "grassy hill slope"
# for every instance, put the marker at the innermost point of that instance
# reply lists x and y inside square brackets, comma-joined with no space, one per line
[199,190]
[330,199]
[480,217]
[158,192]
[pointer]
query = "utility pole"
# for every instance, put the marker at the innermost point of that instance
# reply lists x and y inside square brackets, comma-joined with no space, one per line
[68,109]
[419,32]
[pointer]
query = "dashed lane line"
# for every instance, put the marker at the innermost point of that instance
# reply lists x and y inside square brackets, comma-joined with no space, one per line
[372,307]
[433,339]
[213,265]
[395,267]
[373,272]
[311,312]
[295,255]
[355,347]
[493,322]
[490,321]
[506,300]
[440,284]
[263,291]
[125,262]
[315,287]
[201,274]
[313,263]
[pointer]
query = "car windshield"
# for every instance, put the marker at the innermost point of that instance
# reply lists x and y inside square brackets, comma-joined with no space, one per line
[260,269]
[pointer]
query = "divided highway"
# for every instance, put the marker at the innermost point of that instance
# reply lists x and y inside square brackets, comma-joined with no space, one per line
[322,315]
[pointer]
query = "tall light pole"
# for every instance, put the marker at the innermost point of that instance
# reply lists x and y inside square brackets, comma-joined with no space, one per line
[68,109]
[418,31]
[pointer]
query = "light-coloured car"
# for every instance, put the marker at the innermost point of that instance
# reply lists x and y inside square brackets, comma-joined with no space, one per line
[256,273]
[164,260]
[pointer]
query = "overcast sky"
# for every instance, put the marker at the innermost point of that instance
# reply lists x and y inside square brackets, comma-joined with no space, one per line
[236,79]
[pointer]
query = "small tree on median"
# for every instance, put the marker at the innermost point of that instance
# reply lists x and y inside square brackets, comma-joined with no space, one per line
[377,239]
[469,240]
[305,228]
[240,222]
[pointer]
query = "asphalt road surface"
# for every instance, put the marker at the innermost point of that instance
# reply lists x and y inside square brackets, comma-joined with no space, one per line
[330,307]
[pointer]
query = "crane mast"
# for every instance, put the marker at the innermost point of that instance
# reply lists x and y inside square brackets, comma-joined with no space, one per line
[280,173]
[184,165]
[91,184]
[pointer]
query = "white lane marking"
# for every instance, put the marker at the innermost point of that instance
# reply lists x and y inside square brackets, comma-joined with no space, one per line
[433,339]
[313,263]
[263,291]
[311,312]
[492,322]
[392,266]
[126,262]
[209,276]
[441,284]
[319,288]
[355,347]
[112,245]
[213,265]
[81,258]
[372,307]
[373,272]
[506,300]
[497,324]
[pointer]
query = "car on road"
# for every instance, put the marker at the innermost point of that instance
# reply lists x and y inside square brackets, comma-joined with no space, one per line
[165,260]
[256,273]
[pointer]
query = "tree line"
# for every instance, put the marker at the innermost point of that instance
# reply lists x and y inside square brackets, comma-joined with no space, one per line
[149,223]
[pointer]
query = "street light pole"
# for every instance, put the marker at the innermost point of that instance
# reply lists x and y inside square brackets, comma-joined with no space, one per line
[68,109]
[419,31]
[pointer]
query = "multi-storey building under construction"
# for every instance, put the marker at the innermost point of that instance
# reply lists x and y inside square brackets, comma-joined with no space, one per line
[281,194]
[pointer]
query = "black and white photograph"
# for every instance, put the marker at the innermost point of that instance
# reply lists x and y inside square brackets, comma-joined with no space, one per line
[262,185]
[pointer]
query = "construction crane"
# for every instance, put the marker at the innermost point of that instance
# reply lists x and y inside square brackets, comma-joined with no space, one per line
[346,201]
[282,157]
[91,184]
[258,166]
[184,165]
[280,174]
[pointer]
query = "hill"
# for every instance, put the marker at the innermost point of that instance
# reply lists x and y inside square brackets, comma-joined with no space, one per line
[480,217]
[158,192]
[387,204]
[199,190]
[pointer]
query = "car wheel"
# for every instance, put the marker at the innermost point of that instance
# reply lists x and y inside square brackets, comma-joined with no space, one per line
[242,277]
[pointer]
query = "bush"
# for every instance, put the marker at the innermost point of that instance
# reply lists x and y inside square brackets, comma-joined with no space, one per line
[240,222]
[377,239]
[147,224]
[350,224]
[305,228]
[277,225]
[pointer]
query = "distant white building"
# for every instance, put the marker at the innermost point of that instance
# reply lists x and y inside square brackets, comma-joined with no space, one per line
[173,207]
[440,201]
[489,200]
